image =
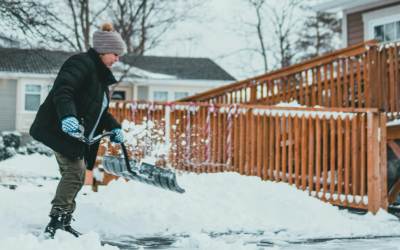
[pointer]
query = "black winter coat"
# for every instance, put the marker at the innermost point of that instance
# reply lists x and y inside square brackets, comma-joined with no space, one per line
[78,91]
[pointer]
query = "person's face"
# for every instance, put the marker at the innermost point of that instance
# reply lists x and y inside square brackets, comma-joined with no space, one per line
[109,59]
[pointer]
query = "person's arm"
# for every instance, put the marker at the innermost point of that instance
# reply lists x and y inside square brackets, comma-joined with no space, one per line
[109,122]
[69,80]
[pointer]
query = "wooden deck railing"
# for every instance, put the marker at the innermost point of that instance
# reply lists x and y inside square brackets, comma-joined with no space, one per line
[337,154]
[360,76]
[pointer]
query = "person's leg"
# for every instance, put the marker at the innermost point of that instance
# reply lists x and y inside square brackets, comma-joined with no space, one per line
[68,217]
[72,180]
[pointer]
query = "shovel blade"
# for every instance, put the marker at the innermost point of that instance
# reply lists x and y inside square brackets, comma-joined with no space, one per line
[145,173]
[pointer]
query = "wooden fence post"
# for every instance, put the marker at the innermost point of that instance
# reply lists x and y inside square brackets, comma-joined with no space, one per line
[383,162]
[373,83]
[373,170]
[253,93]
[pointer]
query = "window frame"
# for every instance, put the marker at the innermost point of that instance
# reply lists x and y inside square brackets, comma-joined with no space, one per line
[382,21]
[160,90]
[40,93]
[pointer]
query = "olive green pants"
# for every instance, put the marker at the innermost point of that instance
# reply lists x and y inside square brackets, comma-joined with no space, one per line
[72,180]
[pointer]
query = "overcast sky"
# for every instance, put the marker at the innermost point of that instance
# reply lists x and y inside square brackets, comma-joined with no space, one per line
[218,36]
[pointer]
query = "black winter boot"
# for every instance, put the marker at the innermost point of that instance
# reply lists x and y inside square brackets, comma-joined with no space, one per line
[68,228]
[56,222]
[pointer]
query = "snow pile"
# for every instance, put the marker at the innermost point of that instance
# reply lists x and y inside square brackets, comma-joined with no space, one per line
[32,166]
[224,202]
[63,240]
[245,209]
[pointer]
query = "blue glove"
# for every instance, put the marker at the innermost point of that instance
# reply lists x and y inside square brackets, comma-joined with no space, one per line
[70,125]
[119,137]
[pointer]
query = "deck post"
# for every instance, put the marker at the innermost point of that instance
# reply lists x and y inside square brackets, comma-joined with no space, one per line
[373,169]
[383,162]
[373,83]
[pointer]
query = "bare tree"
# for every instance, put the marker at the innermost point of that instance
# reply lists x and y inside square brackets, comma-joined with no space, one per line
[273,26]
[284,23]
[258,4]
[142,23]
[83,18]
[33,20]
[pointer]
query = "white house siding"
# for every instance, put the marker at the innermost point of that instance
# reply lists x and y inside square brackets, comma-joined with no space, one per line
[25,117]
[128,89]
[170,89]
[8,102]
[191,87]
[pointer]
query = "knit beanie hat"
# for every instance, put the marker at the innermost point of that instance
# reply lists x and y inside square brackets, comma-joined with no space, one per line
[108,41]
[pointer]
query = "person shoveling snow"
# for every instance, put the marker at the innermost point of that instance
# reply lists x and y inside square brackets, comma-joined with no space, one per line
[80,93]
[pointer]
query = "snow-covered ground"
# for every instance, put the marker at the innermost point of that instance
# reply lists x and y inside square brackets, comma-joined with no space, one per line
[218,211]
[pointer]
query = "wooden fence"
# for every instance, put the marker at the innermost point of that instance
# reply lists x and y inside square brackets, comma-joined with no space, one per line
[359,76]
[337,155]
[384,78]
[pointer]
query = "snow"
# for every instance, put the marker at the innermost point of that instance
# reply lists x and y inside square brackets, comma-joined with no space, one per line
[137,72]
[4,133]
[393,122]
[214,204]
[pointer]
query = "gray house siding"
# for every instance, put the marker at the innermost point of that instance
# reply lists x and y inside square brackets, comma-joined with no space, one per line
[8,104]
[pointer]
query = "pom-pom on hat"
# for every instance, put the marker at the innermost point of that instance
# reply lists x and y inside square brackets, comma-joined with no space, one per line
[108,41]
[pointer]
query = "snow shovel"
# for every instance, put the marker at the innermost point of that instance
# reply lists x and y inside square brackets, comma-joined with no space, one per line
[129,169]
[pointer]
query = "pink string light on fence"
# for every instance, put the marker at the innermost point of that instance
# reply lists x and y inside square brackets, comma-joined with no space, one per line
[208,130]
[149,109]
[170,105]
[228,137]
[191,105]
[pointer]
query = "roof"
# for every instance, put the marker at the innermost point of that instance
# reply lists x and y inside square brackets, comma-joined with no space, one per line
[32,61]
[50,62]
[340,5]
[181,67]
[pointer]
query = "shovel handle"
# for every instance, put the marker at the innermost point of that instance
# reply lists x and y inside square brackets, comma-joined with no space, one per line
[82,138]
[128,165]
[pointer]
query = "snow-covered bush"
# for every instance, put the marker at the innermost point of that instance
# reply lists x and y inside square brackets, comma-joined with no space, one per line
[7,152]
[10,145]
[11,139]
[38,147]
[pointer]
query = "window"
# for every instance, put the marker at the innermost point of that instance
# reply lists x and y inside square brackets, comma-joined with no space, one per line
[32,97]
[142,93]
[180,95]
[160,96]
[385,29]
[387,32]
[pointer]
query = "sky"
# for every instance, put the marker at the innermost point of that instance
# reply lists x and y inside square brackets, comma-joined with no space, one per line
[220,35]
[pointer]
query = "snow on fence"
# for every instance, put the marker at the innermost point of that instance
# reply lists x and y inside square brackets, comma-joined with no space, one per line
[360,76]
[338,155]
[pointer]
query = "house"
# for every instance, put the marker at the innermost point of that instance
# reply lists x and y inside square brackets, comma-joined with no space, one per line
[153,78]
[27,76]
[364,20]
